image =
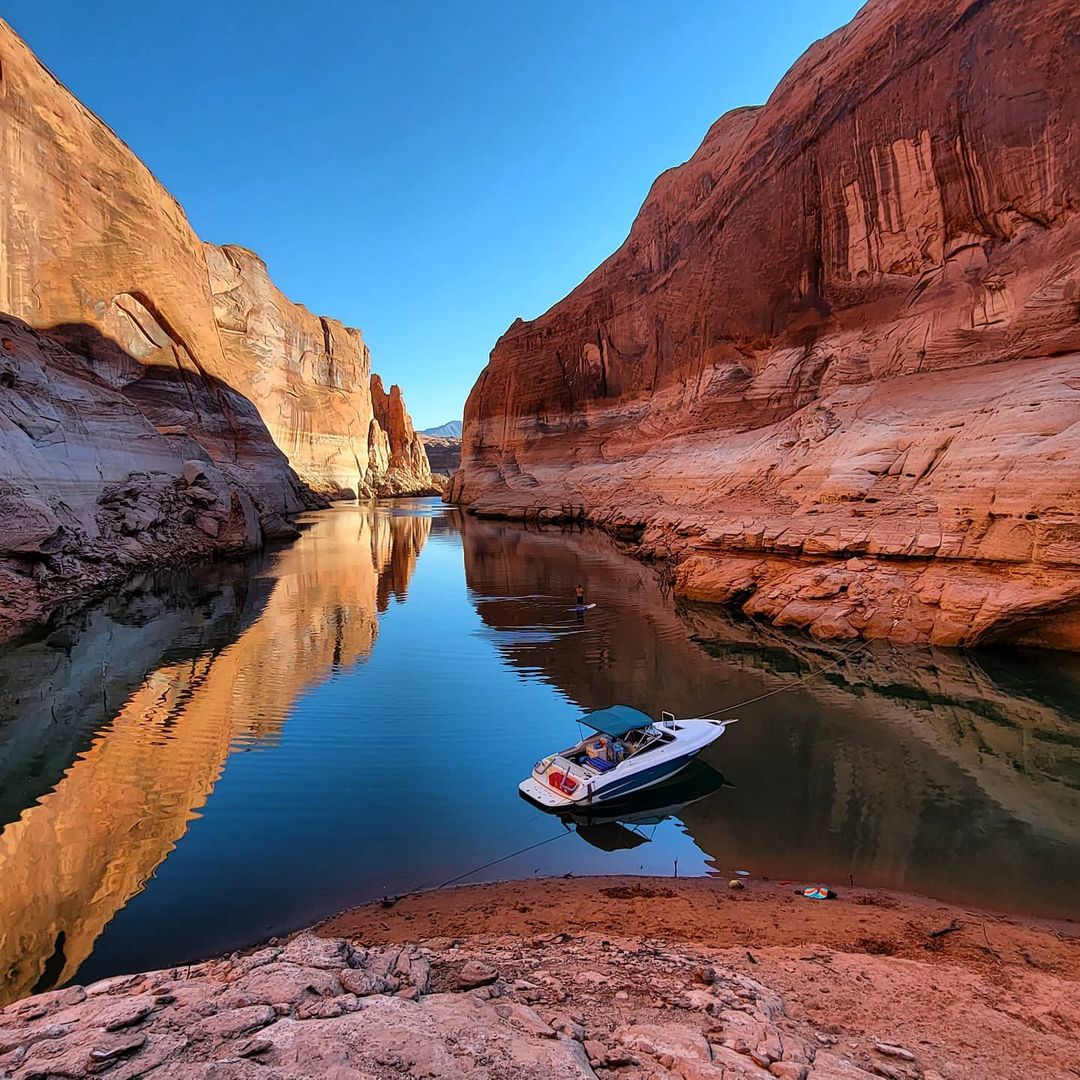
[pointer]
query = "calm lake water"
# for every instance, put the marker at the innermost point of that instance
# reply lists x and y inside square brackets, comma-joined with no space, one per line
[213,756]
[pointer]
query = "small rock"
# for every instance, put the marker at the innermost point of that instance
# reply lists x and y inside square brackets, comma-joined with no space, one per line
[202,495]
[678,1040]
[210,526]
[320,1009]
[253,1047]
[789,1070]
[116,982]
[361,983]
[591,978]
[194,470]
[126,1014]
[310,950]
[568,1027]
[597,1052]
[117,1048]
[227,1025]
[888,1071]
[891,1050]
[475,974]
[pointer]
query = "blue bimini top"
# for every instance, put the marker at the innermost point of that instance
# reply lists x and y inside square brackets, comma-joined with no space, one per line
[616,721]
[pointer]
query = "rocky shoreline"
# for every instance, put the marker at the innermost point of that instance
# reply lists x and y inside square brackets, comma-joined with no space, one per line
[628,978]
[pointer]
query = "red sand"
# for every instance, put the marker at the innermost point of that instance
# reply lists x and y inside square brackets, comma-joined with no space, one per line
[997,997]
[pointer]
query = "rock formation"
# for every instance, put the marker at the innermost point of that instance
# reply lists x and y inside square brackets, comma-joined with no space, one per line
[834,370]
[571,1005]
[396,452]
[443,452]
[140,370]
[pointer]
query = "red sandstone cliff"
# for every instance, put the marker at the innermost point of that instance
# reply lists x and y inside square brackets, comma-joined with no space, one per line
[397,457]
[159,398]
[834,370]
[310,377]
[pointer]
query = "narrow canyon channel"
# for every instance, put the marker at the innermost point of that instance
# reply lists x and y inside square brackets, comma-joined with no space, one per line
[212,756]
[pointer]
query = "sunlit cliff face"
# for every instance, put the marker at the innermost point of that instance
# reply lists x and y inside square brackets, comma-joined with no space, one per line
[833,370]
[73,860]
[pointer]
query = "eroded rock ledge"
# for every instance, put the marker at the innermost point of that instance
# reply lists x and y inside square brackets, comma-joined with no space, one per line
[556,1008]
[580,1004]
[834,371]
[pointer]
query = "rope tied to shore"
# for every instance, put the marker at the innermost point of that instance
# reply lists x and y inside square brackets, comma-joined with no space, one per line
[799,682]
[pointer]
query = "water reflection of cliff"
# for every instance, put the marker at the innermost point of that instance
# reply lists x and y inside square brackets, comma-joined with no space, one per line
[116,727]
[950,773]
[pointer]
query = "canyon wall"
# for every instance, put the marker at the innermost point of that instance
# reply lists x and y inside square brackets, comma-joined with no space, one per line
[833,373]
[159,397]
[310,377]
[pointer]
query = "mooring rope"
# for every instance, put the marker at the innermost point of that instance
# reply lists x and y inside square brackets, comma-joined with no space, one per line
[798,682]
[495,862]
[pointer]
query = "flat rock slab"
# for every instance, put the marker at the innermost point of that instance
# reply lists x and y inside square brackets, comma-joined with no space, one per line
[328,1006]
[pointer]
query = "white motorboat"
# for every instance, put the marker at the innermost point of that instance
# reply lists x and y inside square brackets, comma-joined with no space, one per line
[628,753]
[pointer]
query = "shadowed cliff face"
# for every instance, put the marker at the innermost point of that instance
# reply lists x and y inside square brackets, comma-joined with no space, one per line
[847,328]
[101,471]
[129,347]
[121,761]
[901,760]
[443,452]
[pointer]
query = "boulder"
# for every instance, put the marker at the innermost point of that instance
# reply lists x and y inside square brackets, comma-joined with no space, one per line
[28,525]
[474,974]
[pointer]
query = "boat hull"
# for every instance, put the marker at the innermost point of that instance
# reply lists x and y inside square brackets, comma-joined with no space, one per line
[623,783]
[639,781]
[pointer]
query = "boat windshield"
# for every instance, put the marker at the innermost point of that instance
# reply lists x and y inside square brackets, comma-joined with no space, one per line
[645,739]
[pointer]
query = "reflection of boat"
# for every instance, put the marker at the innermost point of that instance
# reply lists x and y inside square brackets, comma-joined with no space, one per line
[614,826]
[628,753]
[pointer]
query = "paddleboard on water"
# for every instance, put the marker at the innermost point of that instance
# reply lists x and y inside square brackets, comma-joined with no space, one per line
[584,607]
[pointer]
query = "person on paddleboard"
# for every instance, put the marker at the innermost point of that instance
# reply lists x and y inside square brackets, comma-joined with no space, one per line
[579,596]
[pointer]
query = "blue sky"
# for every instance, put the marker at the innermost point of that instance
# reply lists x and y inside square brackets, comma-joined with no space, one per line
[425,171]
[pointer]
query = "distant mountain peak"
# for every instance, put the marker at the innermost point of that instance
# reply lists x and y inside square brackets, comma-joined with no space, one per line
[450,430]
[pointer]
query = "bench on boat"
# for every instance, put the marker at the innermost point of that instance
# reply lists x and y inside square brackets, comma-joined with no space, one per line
[600,764]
